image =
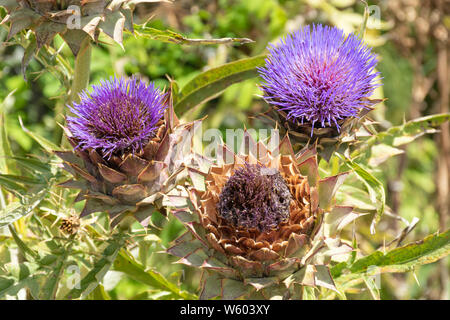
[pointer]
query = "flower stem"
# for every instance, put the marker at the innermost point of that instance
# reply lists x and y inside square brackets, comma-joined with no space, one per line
[82,70]
[80,77]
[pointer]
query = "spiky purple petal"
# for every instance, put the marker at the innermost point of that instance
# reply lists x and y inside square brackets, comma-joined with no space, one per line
[118,116]
[318,75]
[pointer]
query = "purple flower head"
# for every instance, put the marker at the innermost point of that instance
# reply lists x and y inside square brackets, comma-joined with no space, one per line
[255,197]
[318,75]
[119,116]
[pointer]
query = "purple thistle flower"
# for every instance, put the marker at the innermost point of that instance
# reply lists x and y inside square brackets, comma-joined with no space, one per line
[117,117]
[319,75]
[255,197]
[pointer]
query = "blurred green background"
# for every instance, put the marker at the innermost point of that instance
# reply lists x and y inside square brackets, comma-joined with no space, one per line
[410,37]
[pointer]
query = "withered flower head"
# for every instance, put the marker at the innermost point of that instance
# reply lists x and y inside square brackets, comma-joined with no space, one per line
[256,222]
[255,198]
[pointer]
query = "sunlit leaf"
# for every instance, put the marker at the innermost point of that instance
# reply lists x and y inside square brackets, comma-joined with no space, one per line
[174,37]
[209,84]
[402,259]
[134,270]
[96,274]
[374,187]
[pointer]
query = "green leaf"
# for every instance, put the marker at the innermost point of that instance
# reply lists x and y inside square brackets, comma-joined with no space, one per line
[46,144]
[16,210]
[136,271]
[26,251]
[11,185]
[9,286]
[403,134]
[48,290]
[28,55]
[363,26]
[5,148]
[174,37]
[381,152]
[5,285]
[33,165]
[374,187]
[211,83]
[22,180]
[403,259]
[99,293]
[96,274]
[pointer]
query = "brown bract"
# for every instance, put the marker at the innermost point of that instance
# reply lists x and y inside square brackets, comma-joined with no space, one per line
[240,262]
[251,249]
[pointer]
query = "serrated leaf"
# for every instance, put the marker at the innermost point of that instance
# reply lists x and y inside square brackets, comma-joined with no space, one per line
[374,187]
[21,19]
[113,26]
[74,38]
[96,274]
[46,31]
[5,148]
[405,133]
[382,152]
[403,259]
[211,83]
[328,188]
[48,290]
[16,210]
[9,286]
[174,37]
[46,144]
[33,165]
[136,271]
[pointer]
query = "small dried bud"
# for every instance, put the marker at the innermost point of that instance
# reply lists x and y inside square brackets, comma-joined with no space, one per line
[70,225]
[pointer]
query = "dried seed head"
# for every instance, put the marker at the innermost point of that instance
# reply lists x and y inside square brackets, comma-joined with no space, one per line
[255,197]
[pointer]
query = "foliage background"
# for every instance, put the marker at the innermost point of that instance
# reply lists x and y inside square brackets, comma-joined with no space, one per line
[412,51]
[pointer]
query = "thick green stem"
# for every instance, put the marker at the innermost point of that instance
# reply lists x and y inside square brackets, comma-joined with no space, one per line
[82,70]
[81,74]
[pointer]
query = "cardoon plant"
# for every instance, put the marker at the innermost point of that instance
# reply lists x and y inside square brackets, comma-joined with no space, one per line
[126,154]
[263,225]
[318,82]
[74,20]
